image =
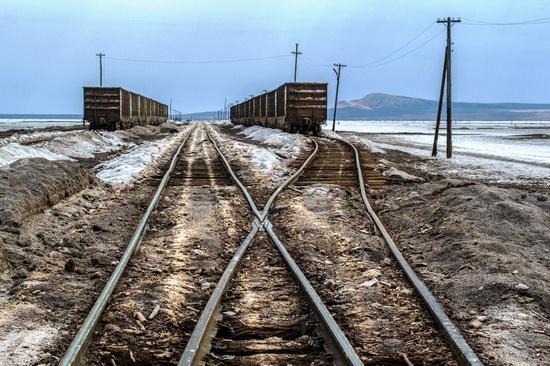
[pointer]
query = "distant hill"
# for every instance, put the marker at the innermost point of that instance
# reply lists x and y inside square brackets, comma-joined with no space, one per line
[379,106]
[395,107]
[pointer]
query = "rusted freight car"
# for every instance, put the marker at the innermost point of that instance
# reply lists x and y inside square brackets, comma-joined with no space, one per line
[292,107]
[113,108]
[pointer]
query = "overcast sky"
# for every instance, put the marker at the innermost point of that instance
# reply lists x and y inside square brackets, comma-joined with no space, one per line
[49,49]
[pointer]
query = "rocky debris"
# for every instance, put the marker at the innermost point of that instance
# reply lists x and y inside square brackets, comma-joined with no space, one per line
[70,265]
[400,176]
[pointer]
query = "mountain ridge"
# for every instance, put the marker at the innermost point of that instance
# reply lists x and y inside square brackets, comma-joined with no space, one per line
[389,106]
[382,100]
[381,106]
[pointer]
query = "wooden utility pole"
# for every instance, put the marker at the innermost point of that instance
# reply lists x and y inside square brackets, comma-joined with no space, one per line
[441,91]
[339,66]
[296,53]
[449,23]
[100,68]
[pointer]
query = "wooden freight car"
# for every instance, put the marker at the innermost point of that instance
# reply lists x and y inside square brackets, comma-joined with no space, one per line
[113,108]
[292,107]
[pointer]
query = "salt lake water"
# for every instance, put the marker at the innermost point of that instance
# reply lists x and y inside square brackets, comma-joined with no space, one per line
[500,151]
[28,121]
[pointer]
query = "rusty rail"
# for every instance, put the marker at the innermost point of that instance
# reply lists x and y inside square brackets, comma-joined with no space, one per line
[458,344]
[80,343]
[336,340]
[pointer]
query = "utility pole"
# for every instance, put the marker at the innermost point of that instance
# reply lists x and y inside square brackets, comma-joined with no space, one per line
[171,118]
[339,66]
[449,23]
[296,53]
[100,68]
[439,105]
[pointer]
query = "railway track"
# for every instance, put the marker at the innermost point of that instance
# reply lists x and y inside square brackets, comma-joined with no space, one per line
[192,228]
[199,165]
[138,337]
[336,165]
[260,349]
[255,333]
[393,322]
[299,328]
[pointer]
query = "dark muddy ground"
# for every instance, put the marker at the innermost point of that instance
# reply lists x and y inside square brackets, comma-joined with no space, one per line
[483,248]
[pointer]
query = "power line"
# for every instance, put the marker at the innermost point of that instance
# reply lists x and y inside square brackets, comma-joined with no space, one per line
[399,49]
[404,55]
[485,23]
[198,62]
[377,63]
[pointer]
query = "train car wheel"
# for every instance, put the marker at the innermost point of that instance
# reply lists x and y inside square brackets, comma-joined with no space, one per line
[315,130]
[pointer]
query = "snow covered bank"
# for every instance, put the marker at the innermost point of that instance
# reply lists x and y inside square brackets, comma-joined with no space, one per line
[497,152]
[268,151]
[59,145]
[129,166]
[87,145]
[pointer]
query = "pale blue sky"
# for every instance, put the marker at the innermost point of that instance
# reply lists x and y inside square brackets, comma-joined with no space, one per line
[49,47]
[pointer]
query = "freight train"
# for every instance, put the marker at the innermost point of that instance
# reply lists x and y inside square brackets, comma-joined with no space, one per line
[292,107]
[113,108]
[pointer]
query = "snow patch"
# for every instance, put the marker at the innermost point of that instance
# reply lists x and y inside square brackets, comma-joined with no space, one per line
[373,147]
[63,146]
[128,166]
[490,151]
[131,165]
[10,153]
[264,160]
[285,144]
[330,133]
[86,144]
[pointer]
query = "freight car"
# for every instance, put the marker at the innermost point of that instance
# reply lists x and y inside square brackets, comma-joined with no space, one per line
[292,107]
[113,108]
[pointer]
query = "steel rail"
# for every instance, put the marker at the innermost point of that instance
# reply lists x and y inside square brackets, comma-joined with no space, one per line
[336,340]
[262,215]
[196,346]
[202,334]
[290,180]
[236,180]
[80,343]
[459,346]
